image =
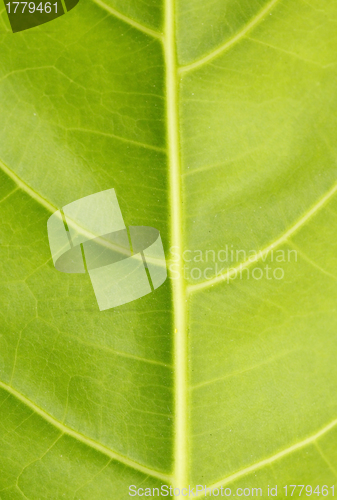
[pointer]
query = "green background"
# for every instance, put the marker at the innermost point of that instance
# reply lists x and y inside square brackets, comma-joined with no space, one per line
[237,147]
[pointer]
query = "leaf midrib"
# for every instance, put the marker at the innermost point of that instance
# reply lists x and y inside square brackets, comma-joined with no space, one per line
[176,224]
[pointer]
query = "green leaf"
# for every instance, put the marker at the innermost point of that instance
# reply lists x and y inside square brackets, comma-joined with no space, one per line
[215,122]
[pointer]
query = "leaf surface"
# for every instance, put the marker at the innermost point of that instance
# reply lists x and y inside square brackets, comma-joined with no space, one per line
[215,123]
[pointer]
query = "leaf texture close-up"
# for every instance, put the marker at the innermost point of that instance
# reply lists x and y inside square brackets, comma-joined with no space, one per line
[215,122]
